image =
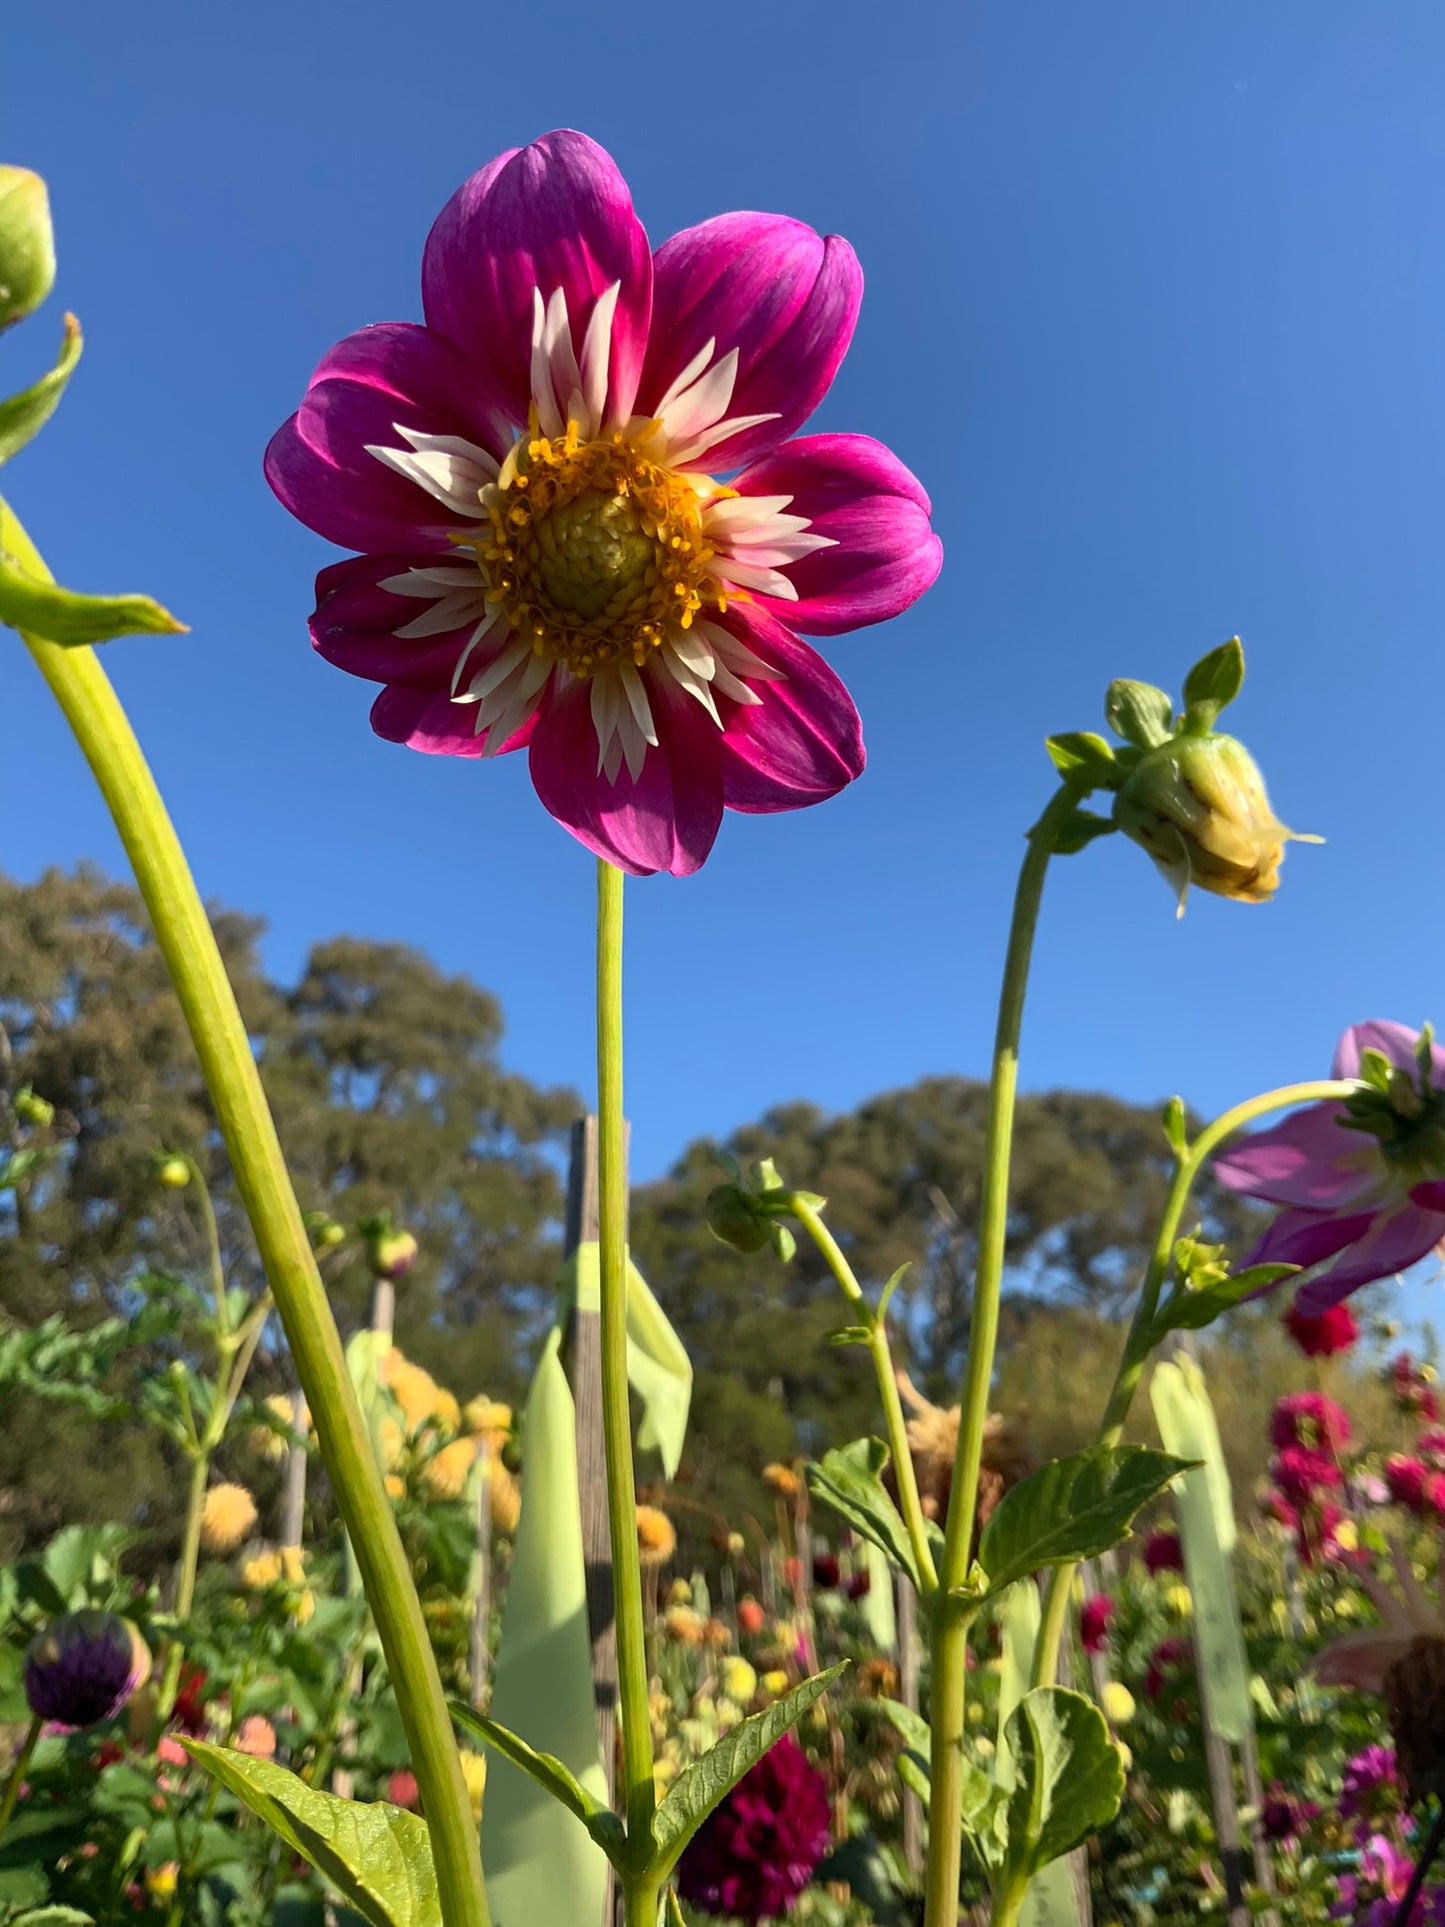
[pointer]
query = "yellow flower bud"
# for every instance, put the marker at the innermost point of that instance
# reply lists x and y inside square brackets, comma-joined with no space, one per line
[774,1682]
[1178,1600]
[739,1679]
[1117,1703]
[27,244]
[474,1772]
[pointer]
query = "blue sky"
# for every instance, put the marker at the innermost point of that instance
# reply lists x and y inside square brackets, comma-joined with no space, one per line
[1154,303]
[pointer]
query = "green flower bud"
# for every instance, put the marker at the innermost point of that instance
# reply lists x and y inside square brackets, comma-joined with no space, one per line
[1198,805]
[27,244]
[31,1109]
[733,1216]
[173,1172]
[324,1231]
[391,1255]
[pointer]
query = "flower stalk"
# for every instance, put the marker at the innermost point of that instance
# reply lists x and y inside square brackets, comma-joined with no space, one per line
[15,1779]
[640,1893]
[1143,1335]
[953,1610]
[188,944]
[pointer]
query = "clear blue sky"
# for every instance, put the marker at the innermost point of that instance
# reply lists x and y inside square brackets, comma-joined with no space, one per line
[1154,307]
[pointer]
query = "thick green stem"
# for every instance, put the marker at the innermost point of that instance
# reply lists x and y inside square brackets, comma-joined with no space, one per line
[641,1797]
[15,1779]
[897,1427]
[949,1629]
[218,1033]
[1142,1336]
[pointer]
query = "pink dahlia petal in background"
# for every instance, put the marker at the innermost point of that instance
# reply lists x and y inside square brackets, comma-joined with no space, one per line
[557,547]
[1323,1336]
[1362,1180]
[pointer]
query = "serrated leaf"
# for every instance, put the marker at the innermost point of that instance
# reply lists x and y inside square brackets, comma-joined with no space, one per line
[44,609]
[376,1856]
[1074,1508]
[1079,829]
[1079,752]
[558,1780]
[1140,713]
[1193,1310]
[23,416]
[1069,1780]
[707,1782]
[1216,679]
[849,1479]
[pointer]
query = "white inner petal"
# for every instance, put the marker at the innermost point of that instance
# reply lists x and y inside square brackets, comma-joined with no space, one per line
[597,359]
[451,470]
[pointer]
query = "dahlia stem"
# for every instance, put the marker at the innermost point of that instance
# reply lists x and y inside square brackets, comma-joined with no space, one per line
[897,1426]
[1142,1336]
[953,1610]
[213,1250]
[16,1776]
[641,1798]
[218,1033]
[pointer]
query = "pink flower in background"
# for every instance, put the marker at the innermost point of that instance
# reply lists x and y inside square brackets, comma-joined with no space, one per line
[589,527]
[1094,1616]
[1405,1479]
[1311,1420]
[1332,1331]
[1301,1474]
[1412,1386]
[1361,1181]
[1163,1552]
[402,1790]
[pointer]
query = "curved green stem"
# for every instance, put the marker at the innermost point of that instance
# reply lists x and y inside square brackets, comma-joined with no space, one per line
[218,1033]
[641,1795]
[15,1779]
[1142,1336]
[213,1248]
[951,1611]
[910,1504]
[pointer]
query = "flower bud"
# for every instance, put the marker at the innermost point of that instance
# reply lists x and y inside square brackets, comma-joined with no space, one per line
[83,1667]
[173,1172]
[1198,805]
[733,1217]
[27,244]
[391,1254]
[324,1231]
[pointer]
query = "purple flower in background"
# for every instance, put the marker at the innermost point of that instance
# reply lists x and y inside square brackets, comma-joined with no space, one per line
[552,559]
[1094,1616]
[1361,1181]
[83,1667]
[1163,1552]
[755,1853]
[1368,1775]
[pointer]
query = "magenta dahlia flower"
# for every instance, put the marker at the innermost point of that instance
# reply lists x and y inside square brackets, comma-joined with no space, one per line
[1094,1616]
[1322,1336]
[589,527]
[1163,1552]
[1309,1419]
[755,1853]
[1362,1181]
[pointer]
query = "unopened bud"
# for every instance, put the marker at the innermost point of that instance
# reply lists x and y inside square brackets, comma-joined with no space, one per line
[1198,805]
[27,244]
[392,1254]
[31,1109]
[174,1173]
[83,1667]
[324,1231]
[733,1216]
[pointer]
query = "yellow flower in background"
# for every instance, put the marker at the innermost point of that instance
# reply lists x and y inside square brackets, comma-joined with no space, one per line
[395,1487]
[1179,1600]
[506,1500]
[293,1565]
[392,1441]
[656,1536]
[421,1399]
[781,1479]
[774,1682]
[267,1443]
[161,1882]
[679,1593]
[474,1772]
[684,1624]
[261,1570]
[1117,1703]
[1347,1536]
[740,1681]
[445,1473]
[487,1418]
[228,1515]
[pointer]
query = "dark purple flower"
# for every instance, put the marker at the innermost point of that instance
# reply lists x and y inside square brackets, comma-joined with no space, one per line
[826,1571]
[1163,1553]
[1283,1817]
[755,1854]
[1094,1616]
[1361,1181]
[84,1667]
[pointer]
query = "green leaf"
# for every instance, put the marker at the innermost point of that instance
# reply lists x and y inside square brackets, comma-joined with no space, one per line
[43,609]
[849,1480]
[982,1800]
[549,1772]
[23,416]
[376,1856]
[1140,713]
[675,1916]
[850,1335]
[1079,752]
[1216,679]
[707,1782]
[1069,1780]
[1074,1508]
[1079,829]
[52,1917]
[886,1296]
[1193,1310]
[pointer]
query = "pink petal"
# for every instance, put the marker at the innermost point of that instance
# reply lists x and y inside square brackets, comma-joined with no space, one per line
[557,214]
[355,619]
[852,489]
[1431,1194]
[804,741]
[1307,1238]
[668,819]
[434,724]
[784,297]
[317,462]
[1309,1159]
[1395,1041]
[1390,1245]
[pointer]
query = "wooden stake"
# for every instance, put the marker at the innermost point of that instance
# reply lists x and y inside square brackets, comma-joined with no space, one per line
[293,1507]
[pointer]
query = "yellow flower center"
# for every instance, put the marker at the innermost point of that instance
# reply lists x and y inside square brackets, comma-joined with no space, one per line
[593,551]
